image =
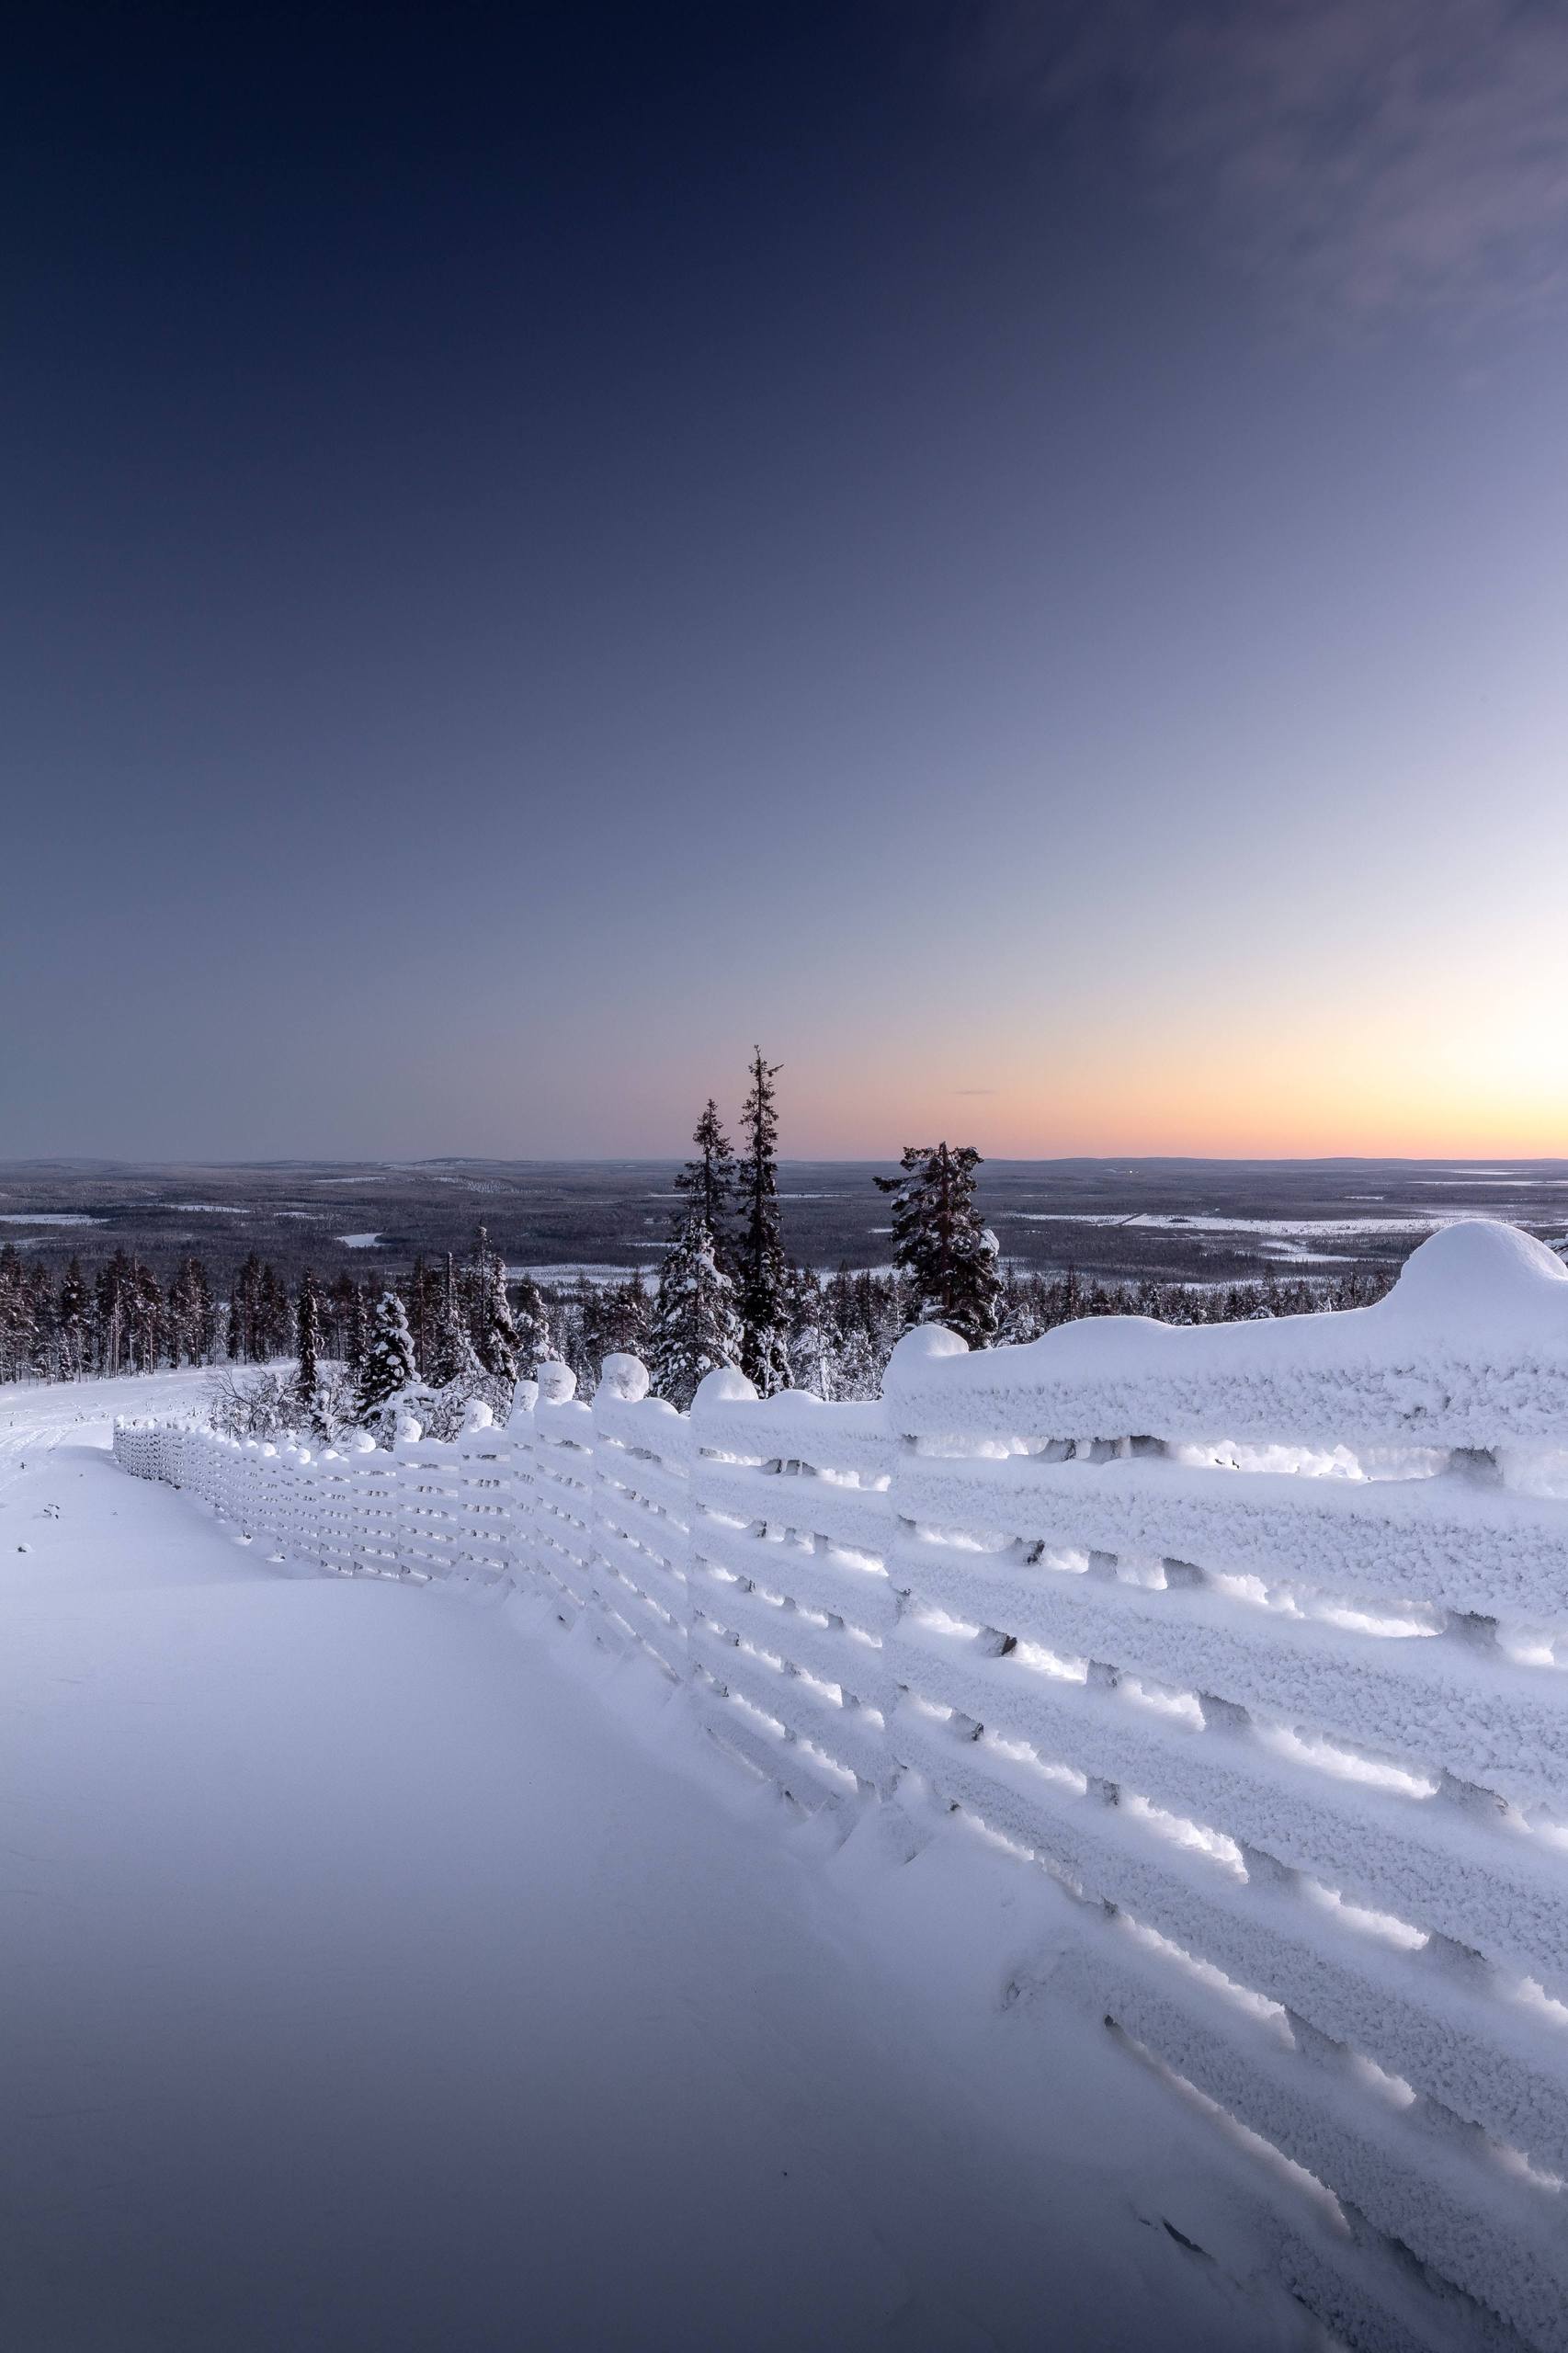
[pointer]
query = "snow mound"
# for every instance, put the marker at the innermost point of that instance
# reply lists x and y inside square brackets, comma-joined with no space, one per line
[1479,1275]
[725,1385]
[624,1376]
[1470,1349]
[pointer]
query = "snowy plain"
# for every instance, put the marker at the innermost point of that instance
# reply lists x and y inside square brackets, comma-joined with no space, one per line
[388,1971]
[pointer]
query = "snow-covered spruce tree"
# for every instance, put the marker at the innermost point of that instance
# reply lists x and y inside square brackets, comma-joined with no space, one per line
[147,1318]
[45,1328]
[850,1305]
[261,1315]
[947,1257]
[450,1360]
[387,1368]
[307,1343]
[695,1325]
[617,1321]
[193,1321]
[530,1320]
[112,1313]
[494,1334]
[72,1334]
[759,1252]
[276,1314]
[812,1356]
[345,1322]
[16,1315]
[631,1306]
[422,1295]
[179,1317]
[708,1181]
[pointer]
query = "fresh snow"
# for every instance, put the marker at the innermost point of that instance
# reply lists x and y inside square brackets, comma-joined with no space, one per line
[1469,1349]
[387,1971]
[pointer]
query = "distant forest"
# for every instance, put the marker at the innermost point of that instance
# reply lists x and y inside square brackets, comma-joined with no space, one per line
[421,1343]
[120,1318]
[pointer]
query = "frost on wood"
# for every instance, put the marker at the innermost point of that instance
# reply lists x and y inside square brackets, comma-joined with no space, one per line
[1254,1637]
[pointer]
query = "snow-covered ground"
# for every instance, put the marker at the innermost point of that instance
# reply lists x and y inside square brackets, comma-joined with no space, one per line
[386,1971]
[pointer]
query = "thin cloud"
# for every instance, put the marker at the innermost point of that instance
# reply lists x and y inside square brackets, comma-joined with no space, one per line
[1364,156]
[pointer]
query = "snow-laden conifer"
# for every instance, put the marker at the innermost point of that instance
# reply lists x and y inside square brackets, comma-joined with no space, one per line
[617,1321]
[948,1259]
[452,1361]
[386,1369]
[812,1353]
[494,1334]
[18,1329]
[530,1321]
[708,1180]
[696,1327]
[759,1258]
[307,1343]
[74,1324]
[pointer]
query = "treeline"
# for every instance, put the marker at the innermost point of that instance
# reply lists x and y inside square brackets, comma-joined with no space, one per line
[838,1330]
[122,1319]
[726,1293]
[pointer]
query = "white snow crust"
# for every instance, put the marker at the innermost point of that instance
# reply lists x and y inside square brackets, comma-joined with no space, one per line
[388,1964]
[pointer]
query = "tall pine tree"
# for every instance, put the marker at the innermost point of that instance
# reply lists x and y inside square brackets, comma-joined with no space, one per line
[422,1298]
[760,1285]
[16,1315]
[73,1319]
[307,1341]
[494,1334]
[346,1312]
[947,1258]
[450,1359]
[709,1180]
[530,1319]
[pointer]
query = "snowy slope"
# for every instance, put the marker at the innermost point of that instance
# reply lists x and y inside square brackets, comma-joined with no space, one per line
[366,1987]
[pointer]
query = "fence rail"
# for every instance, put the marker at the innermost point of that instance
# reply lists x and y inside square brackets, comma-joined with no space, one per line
[1254,1636]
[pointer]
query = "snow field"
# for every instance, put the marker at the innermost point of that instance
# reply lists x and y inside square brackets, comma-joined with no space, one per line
[376,1981]
[1294,1736]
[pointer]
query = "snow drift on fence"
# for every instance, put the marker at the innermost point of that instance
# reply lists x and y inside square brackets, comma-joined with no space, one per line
[1254,1637]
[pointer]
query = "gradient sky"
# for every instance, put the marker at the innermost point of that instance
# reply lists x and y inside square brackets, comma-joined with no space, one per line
[1017,553]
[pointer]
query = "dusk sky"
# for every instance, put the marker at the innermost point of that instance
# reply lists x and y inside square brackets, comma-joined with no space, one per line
[1016,554]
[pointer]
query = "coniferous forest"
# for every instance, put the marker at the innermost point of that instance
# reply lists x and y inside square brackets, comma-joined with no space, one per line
[344,1351]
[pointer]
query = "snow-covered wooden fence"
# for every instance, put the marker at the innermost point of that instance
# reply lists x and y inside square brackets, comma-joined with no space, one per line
[1254,1636]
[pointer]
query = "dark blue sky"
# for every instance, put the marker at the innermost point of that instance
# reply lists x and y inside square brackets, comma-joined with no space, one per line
[1014,554]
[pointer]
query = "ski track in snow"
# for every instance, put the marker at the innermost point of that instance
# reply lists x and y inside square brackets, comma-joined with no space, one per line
[384,1970]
